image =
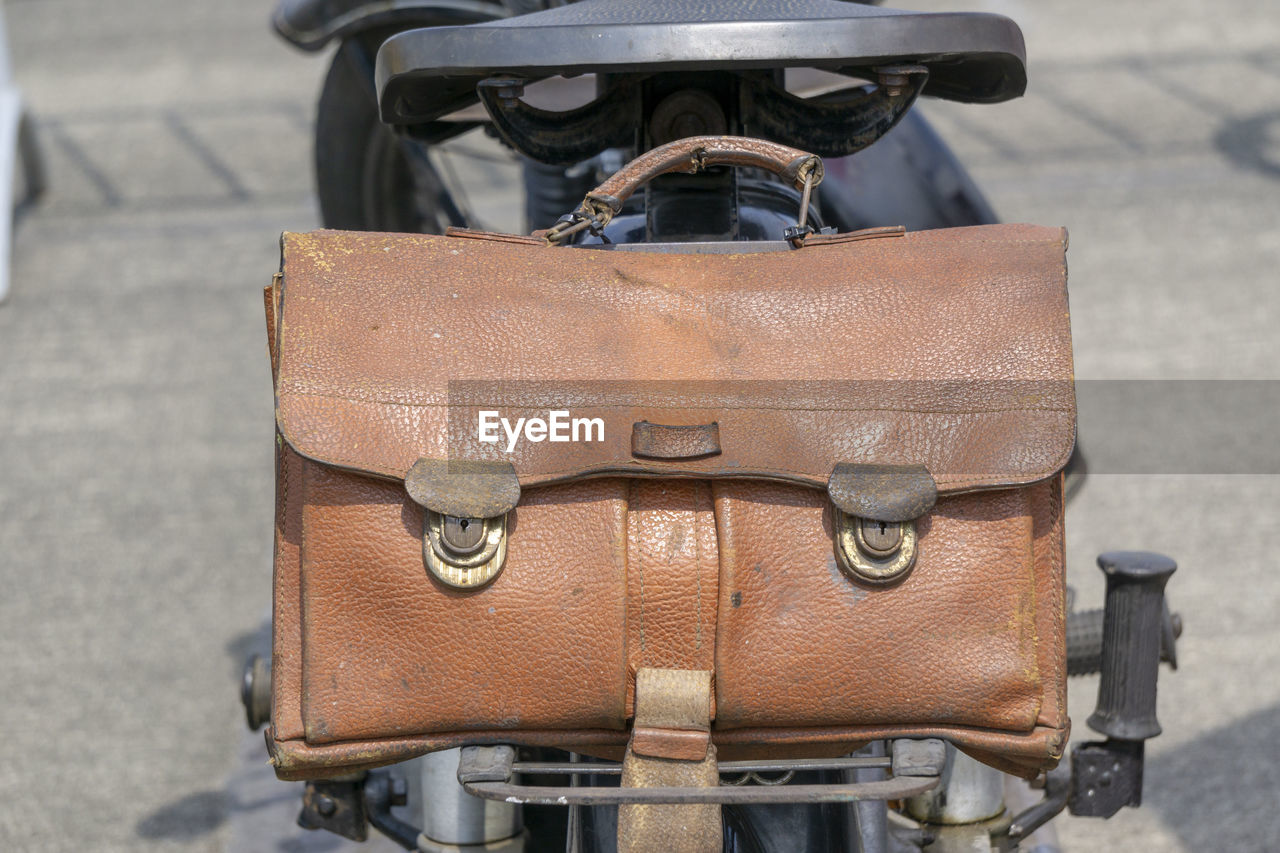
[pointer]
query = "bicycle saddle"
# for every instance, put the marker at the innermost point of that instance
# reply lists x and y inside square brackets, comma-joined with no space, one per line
[974,57]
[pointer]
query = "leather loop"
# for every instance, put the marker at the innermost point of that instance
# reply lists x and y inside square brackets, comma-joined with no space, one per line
[657,441]
[673,698]
[670,748]
[676,744]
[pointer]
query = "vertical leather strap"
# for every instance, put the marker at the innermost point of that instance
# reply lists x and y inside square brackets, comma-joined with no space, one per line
[673,576]
[671,747]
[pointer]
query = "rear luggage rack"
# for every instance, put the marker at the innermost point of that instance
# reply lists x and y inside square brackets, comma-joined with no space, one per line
[916,765]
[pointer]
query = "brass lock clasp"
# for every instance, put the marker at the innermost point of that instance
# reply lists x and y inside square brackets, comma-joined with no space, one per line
[466,505]
[875,510]
[464,552]
[877,552]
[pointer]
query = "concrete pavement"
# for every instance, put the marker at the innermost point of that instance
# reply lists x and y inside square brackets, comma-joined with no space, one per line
[135,404]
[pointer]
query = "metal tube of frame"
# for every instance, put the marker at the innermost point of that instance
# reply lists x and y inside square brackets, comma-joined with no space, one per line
[452,817]
[868,826]
[968,792]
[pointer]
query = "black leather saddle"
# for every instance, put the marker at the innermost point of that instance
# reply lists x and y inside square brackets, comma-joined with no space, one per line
[425,73]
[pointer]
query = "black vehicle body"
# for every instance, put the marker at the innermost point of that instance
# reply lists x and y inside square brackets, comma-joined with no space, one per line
[911,177]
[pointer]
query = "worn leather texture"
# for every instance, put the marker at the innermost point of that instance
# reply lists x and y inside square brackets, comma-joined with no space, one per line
[670,748]
[685,828]
[389,651]
[949,350]
[955,641]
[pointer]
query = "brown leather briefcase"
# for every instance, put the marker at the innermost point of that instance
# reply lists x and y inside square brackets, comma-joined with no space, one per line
[823,483]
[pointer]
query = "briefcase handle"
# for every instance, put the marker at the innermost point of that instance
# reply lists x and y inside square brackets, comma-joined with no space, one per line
[690,155]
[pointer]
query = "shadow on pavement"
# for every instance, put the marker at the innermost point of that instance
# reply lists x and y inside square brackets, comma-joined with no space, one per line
[1252,143]
[1218,792]
[239,647]
[183,820]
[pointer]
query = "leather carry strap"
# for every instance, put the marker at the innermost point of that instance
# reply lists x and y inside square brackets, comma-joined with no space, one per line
[696,153]
[673,577]
[671,747]
[692,154]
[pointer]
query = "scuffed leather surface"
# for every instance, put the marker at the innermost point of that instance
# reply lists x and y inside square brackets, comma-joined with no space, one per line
[374,663]
[687,828]
[882,492]
[946,348]
[673,573]
[463,487]
[286,617]
[954,642]
[673,698]
[388,651]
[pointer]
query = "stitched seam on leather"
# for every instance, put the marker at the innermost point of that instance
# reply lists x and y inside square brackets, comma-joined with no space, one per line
[295,389]
[705,475]
[697,565]
[919,236]
[999,242]
[1038,601]
[1023,480]
[305,479]
[1058,625]
[746,734]
[936,234]
[640,557]
[1034,676]
[282,482]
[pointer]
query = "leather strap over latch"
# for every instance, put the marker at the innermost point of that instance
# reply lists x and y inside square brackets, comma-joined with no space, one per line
[894,493]
[671,748]
[875,523]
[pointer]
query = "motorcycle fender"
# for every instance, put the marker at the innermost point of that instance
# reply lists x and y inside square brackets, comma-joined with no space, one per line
[911,177]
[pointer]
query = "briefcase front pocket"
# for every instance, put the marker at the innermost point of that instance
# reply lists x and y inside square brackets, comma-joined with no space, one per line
[389,650]
[958,640]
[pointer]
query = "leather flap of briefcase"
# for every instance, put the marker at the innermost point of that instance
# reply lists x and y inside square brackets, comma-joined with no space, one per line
[947,350]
